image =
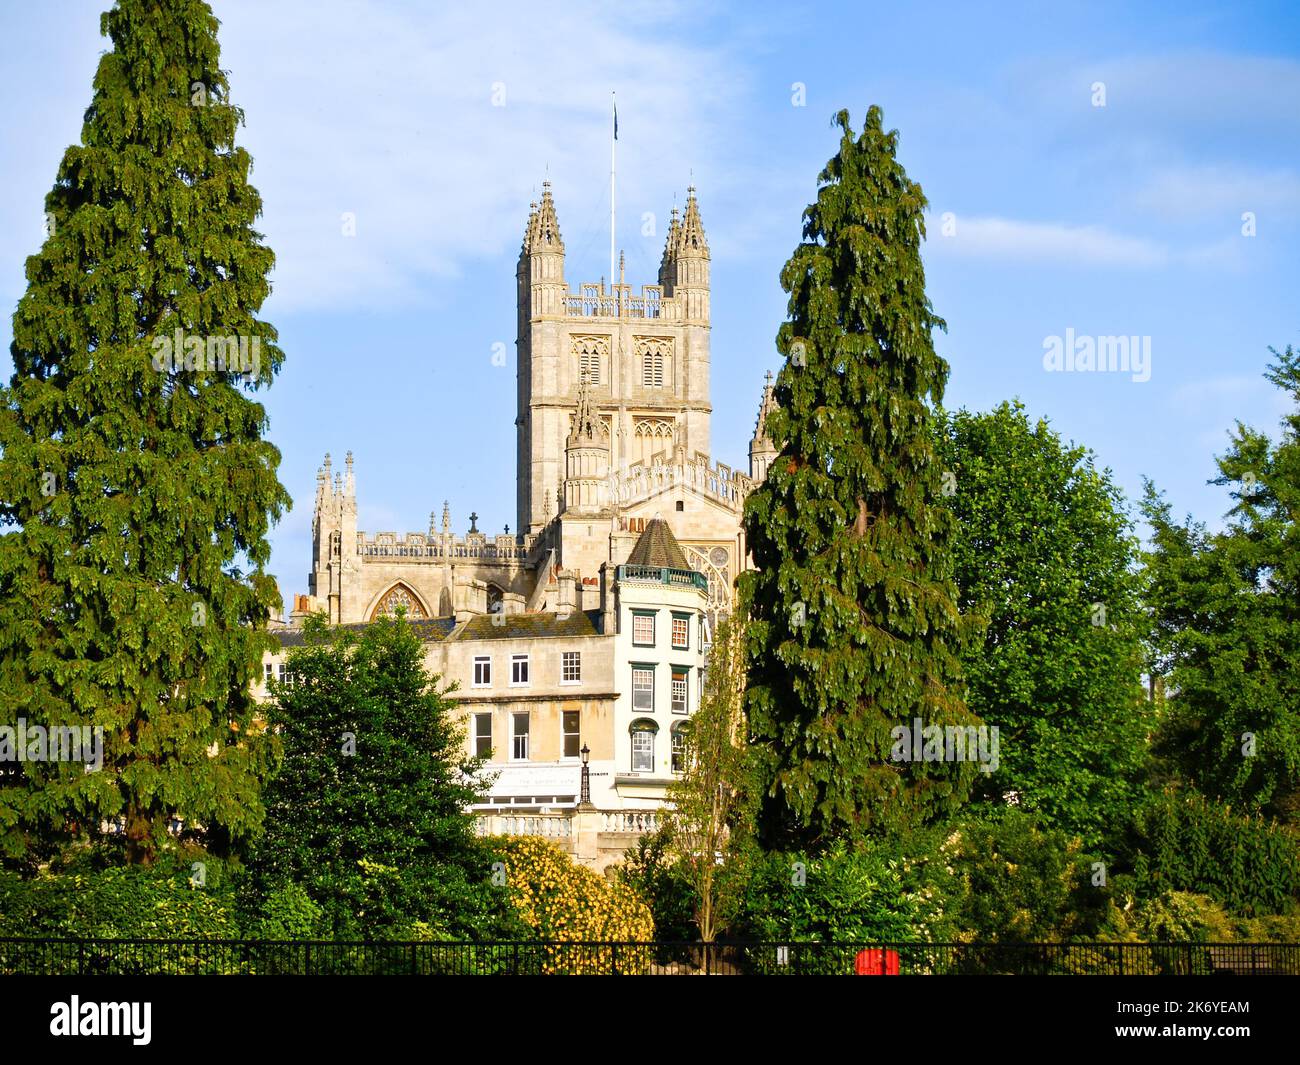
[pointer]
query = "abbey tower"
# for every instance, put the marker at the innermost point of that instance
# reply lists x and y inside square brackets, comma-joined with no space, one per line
[644,356]
[613,430]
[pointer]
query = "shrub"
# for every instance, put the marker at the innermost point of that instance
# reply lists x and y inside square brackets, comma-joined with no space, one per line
[853,896]
[1181,917]
[1183,842]
[134,902]
[1019,881]
[650,872]
[560,901]
[288,912]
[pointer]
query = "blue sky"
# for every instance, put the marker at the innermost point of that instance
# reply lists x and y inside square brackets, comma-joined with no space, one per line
[1122,219]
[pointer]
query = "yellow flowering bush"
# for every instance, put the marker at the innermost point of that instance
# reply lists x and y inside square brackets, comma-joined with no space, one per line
[563,902]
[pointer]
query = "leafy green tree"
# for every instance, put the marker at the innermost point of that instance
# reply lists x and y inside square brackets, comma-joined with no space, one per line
[136,486]
[1226,616]
[708,823]
[855,625]
[368,809]
[1045,553]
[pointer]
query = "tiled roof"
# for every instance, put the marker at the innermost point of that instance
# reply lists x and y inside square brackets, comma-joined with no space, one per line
[658,546]
[523,626]
[430,630]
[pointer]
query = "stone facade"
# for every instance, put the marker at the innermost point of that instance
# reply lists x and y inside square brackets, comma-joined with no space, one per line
[613,432]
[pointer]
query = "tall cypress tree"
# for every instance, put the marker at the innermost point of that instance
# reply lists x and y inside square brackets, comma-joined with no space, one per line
[136,484]
[855,628]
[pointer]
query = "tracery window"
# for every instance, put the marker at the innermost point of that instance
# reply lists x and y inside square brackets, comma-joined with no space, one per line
[656,361]
[589,354]
[399,596]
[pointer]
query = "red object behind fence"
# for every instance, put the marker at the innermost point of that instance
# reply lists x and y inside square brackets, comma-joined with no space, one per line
[876,962]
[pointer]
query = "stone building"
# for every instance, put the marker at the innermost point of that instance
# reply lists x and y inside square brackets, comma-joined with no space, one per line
[588,627]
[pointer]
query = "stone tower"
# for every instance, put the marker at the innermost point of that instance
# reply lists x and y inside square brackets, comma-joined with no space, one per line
[761,449]
[334,540]
[645,358]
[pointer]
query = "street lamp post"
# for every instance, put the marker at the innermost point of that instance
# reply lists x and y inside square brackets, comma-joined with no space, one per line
[584,798]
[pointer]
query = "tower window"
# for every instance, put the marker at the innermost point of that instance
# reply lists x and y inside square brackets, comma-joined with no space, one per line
[652,369]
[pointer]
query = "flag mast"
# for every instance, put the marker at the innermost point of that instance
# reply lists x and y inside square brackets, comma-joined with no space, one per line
[613,145]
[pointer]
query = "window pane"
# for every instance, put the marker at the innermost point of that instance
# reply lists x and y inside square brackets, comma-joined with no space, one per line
[681,633]
[520,744]
[482,735]
[643,628]
[572,667]
[679,692]
[643,689]
[572,735]
[643,751]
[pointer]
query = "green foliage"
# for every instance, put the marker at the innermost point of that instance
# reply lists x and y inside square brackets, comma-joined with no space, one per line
[1181,917]
[287,912]
[708,822]
[116,903]
[1046,555]
[841,895]
[855,627]
[136,503]
[650,870]
[1020,881]
[1183,842]
[1226,617]
[367,813]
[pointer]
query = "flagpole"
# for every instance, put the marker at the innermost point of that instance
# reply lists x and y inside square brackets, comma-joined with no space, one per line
[613,146]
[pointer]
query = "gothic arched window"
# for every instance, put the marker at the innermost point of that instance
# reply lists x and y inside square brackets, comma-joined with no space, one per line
[589,353]
[656,361]
[399,597]
[652,436]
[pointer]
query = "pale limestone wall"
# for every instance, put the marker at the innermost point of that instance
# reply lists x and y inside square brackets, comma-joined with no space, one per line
[545,699]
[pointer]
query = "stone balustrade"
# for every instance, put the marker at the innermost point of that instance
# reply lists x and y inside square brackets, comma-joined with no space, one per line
[721,483]
[439,548]
[595,301]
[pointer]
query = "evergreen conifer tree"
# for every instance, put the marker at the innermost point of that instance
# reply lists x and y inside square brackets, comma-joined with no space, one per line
[855,626]
[136,483]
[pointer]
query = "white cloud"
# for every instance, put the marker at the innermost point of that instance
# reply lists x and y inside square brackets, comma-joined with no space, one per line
[385,109]
[1192,192]
[1008,238]
[388,113]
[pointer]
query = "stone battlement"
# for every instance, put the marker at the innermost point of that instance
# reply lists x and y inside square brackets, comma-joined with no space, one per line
[720,482]
[439,547]
[595,301]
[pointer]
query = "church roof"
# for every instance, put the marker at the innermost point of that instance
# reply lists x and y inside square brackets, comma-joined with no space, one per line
[658,546]
[429,630]
[516,626]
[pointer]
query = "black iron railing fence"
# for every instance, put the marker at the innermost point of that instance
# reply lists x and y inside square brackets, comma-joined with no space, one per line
[85,957]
